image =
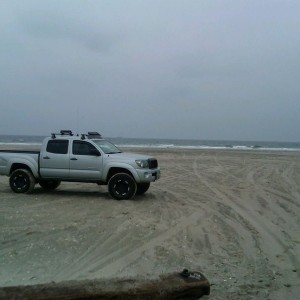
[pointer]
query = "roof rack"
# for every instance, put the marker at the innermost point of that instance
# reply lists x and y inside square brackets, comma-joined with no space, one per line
[94,134]
[91,135]
[62,132]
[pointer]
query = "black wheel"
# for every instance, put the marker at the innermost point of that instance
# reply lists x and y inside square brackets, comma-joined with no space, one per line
[21,181]
[49,184]
[122,186]
[142,188]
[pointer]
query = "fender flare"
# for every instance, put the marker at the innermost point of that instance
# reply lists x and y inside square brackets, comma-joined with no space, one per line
[119,165]
[32,165]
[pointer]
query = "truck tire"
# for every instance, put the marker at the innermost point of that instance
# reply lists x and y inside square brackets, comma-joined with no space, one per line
[49,184]
[122,186]
[22,181]
[142,188]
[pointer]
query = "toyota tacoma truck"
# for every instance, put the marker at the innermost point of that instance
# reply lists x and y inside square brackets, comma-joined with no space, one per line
[79,158]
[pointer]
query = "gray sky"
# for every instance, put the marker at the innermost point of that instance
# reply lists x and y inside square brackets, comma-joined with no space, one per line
[201,69]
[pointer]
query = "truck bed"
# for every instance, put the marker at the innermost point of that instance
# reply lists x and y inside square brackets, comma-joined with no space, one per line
[28,158]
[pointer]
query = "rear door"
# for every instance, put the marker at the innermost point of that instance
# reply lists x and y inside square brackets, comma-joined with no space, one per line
[55,159]
[85,161]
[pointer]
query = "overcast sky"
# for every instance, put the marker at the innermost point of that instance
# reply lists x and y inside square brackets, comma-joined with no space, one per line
[202,69]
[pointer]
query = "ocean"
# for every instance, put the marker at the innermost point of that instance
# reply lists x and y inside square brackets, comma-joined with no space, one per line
[169,143]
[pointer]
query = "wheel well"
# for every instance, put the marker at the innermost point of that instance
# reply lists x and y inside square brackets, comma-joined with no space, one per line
[19,166]
[113,171]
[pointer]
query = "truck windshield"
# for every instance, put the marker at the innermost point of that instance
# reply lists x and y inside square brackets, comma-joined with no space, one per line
[107,147]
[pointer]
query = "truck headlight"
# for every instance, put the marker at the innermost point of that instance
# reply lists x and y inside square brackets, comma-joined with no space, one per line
[142,163]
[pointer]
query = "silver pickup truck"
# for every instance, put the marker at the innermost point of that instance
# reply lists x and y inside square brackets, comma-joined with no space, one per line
[84,158]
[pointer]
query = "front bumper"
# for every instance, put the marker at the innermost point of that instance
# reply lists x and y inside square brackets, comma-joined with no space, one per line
[148,175]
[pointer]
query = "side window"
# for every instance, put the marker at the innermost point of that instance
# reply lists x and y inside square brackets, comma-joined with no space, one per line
[58,146]
[82,148]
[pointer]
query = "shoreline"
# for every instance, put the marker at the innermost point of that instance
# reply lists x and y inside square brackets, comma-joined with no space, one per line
[37,146]
[159,143]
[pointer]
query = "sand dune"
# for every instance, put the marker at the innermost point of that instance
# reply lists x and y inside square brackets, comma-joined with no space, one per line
[234,215]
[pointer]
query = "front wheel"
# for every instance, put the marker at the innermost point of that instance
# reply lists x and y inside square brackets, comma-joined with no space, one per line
[122,186]
[49,184]
[21,181]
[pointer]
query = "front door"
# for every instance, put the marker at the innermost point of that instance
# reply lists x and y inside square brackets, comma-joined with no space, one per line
[85,161]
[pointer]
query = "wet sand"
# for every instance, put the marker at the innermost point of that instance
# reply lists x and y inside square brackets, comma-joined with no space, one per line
[234,215]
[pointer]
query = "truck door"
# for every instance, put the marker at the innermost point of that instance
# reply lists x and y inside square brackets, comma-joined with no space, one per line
[85,161]
[55,159]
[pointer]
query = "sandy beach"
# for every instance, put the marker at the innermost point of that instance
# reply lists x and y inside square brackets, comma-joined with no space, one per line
[234,215]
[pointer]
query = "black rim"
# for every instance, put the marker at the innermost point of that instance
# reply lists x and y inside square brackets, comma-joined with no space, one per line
[20,182]
[121,187]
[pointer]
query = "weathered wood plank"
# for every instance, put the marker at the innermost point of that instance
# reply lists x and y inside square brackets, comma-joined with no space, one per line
[184,285]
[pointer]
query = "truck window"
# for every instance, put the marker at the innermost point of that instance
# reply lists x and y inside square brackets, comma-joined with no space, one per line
[58,146]
[82,148]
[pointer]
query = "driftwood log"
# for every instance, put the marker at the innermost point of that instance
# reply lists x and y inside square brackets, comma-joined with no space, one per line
[184,285]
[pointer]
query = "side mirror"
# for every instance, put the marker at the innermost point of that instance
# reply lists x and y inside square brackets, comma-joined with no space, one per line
[95,152]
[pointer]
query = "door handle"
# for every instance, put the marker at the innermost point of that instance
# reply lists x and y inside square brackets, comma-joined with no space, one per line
[74,158]
[46,157]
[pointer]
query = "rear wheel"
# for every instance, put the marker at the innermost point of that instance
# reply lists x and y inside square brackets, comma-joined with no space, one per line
[49,184]
[21,181]
[122,186]
[142,188]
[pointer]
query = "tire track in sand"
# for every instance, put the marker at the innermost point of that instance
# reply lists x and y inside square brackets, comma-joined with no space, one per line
[255,224]
[94,263]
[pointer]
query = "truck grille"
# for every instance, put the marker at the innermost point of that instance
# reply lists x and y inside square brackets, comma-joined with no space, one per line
[152,163]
